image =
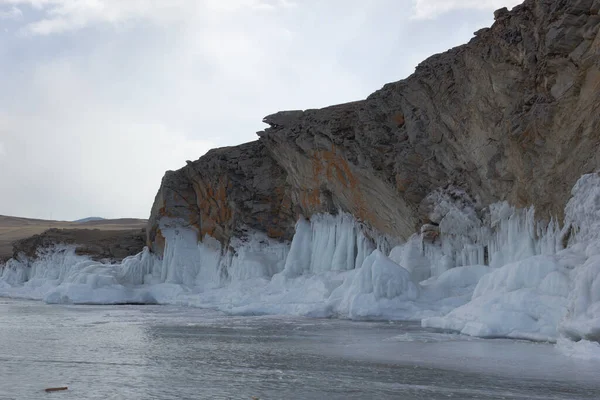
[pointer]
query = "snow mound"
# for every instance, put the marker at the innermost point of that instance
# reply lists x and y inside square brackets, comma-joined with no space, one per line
[583,319]
[375,289]
[525,300]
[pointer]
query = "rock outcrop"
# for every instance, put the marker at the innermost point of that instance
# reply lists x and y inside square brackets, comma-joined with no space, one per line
[100,245]
[512,115]
[224,193]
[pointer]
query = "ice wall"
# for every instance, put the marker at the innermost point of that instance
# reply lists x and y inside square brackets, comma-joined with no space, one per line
[583,222]
[61,276]
[494,236]
[537,290]
[494,272]
[327,243]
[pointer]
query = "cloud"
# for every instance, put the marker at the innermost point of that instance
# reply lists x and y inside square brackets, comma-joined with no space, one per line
[11,13]
[428,9]
[59,16]
[100,97]
[70,157]
[92,124]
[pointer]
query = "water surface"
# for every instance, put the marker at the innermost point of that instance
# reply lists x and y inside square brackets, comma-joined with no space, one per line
[165,352]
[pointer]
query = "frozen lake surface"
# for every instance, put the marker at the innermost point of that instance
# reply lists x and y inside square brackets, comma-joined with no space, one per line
[167,352]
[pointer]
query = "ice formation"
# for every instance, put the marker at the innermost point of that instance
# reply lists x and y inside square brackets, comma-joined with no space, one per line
[503,275]
[538,290]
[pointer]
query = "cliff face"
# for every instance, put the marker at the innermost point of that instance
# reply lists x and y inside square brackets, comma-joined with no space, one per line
[223,194]
[512,115]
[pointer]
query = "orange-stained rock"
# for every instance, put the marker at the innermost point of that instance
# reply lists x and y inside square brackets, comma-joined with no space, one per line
[512,115]
[224,193]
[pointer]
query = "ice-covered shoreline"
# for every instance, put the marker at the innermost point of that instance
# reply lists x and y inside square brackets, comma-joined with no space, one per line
[531,288]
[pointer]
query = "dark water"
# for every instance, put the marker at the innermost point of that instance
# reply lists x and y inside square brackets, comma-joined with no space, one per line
[153,352]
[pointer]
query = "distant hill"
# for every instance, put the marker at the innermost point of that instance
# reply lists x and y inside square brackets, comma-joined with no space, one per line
[16,228]
[88,219]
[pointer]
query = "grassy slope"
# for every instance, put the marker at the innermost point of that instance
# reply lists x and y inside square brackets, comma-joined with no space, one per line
[15,228]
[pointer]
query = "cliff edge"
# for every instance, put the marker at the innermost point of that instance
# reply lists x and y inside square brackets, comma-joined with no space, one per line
[512,115]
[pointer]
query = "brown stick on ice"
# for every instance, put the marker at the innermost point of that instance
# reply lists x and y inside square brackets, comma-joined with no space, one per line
[56,389]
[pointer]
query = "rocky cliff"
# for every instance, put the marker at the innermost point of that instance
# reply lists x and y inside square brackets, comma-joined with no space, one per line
[512,115]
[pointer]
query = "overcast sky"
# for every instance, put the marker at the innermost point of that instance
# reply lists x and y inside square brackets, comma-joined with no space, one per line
[99,97]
